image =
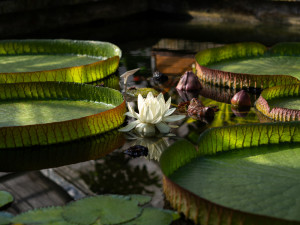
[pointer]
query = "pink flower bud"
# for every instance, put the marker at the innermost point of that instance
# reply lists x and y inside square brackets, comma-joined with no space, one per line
[241,99]
[188,82]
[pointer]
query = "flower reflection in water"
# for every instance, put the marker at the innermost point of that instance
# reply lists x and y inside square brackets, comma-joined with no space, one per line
[156,145]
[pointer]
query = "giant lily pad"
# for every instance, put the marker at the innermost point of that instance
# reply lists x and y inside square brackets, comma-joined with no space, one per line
[280,103]
[246,174]
[49,112]
[250,65]
[56,60]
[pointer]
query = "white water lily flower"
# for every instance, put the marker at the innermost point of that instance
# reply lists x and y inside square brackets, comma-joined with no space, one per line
[153,113]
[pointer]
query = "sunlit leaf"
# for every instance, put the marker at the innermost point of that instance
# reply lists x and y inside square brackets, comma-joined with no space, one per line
[239,173]
[20,97]
[280,102]
[249,65]
[57,60]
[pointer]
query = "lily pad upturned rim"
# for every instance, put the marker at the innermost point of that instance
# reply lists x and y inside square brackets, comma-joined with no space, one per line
[279,113]
[82,74]
[62,131]
[243,50]
[201,210]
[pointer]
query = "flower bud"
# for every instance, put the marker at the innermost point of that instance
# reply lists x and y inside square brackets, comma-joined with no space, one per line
[241,99]
[188,82]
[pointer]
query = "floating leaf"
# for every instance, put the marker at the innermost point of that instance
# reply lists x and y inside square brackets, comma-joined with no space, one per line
[256,165]
[89,210]
[5,198]
[249,65]
[155,216]
[57,60]
[5,218]
[140,199]
[109,117]
[280,103]
[40,216]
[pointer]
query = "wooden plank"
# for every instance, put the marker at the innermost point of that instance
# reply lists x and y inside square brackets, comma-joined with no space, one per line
[173,64]
[32,190]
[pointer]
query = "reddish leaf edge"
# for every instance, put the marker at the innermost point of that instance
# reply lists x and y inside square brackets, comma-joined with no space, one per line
[278,113]
[201,210]
[243,80]
[63,131]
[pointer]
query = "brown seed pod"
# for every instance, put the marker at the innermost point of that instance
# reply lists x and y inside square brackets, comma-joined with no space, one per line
[183,106]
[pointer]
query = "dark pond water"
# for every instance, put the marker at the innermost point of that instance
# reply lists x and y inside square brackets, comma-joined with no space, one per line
[98,165]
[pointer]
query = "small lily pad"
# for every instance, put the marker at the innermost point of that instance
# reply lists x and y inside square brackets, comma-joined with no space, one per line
[141,199]
[40,216]
[5,218]
[155,216]
[108,209]
[5,198]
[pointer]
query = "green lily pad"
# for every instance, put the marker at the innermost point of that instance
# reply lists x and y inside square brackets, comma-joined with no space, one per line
[155,216]
[140,199]
[245,173]
[100,208]
[250,65]
[40,216]
[56,60]
[5,218]
[80,111]
[280,102]
[5,198]
[271,65]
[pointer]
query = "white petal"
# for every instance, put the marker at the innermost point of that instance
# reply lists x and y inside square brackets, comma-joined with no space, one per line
[163,128]
[170,111]
[157,120]
[173,118]
[135,115]
[160,97]
[127,74]
[149,114]
[130,126]
[140,102]
[168,104]
[150,95]
[128,114]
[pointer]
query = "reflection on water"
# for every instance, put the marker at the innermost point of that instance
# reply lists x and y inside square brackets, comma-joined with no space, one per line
[36,158]
[114,174]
